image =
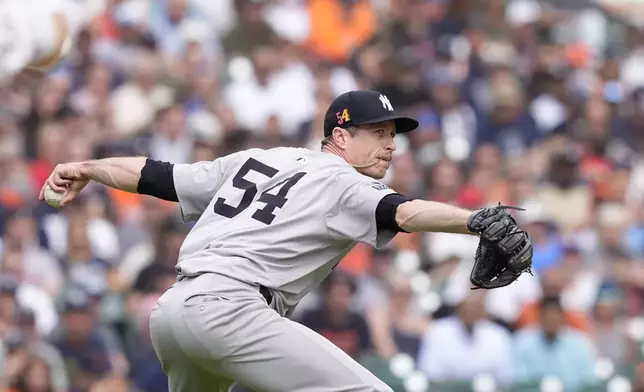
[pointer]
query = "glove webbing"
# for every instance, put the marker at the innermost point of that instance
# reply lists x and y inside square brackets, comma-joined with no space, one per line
[529,270]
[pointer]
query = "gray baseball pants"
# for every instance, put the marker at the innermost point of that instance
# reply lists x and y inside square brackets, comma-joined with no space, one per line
[210,331]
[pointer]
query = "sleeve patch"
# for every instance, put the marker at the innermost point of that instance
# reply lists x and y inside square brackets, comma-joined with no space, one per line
[379,186]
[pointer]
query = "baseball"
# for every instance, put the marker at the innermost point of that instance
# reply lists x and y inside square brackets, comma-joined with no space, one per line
[52,197]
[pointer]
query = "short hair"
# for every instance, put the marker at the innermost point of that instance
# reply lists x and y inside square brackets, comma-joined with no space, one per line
[329,139]
[339,277]
[551,302]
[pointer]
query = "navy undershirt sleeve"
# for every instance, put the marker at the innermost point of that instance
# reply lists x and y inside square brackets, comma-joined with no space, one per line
[157,180]
[386,212]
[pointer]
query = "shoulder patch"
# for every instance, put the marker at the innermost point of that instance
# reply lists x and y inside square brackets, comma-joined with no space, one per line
[379,186]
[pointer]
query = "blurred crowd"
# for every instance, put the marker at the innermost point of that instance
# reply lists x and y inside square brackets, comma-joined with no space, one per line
[533,104]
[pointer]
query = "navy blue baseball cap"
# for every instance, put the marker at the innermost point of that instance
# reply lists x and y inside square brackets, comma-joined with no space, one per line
[364,107]
[76,300]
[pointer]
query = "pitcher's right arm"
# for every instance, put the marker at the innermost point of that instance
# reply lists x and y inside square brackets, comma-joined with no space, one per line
[192,185]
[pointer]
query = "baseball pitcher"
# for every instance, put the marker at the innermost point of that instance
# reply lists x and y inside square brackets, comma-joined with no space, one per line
[270,226]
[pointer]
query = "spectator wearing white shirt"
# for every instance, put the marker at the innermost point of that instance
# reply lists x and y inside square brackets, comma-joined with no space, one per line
[290,19]
[505,304]
[134,104]
[466,345]
[15,295]
[170,139]
[268,92]
[220,14]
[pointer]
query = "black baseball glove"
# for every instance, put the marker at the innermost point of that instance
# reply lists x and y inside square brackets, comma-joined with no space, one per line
[504,251]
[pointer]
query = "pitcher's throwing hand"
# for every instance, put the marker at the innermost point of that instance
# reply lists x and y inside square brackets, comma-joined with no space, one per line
[66,178]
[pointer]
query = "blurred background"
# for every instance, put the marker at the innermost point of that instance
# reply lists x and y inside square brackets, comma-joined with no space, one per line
[527,103]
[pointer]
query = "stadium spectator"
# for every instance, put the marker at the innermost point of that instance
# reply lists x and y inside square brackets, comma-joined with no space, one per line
[15,295]
[153,277]
[18,363]
[170,139]
[34,377]
[505,305]
[554,350]
[354,22]
[40,348]
[134,104]
[397,324]
[565,198]
[466,345]
[8,303]
[335,320]
[609,325]
[83,348]
[372,284]
[35,266]
[546,237]
[251,31]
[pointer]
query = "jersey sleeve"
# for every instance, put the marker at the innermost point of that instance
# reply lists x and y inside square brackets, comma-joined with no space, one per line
[197,183]
[354,214]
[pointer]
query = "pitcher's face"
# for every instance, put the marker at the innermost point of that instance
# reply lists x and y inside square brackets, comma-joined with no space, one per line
[371,148]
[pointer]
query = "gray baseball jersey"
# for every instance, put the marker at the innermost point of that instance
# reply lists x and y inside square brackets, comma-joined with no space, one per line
[282,218]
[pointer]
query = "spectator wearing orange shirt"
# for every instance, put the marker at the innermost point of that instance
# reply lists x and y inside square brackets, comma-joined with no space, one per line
[339,26]
[531,313]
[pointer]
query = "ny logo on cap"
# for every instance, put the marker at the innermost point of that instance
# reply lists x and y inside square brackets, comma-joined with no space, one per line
[385,103]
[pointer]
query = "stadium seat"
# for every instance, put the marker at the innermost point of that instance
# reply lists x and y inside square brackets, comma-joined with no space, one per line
[529,386]
[380,368]
[452,386]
